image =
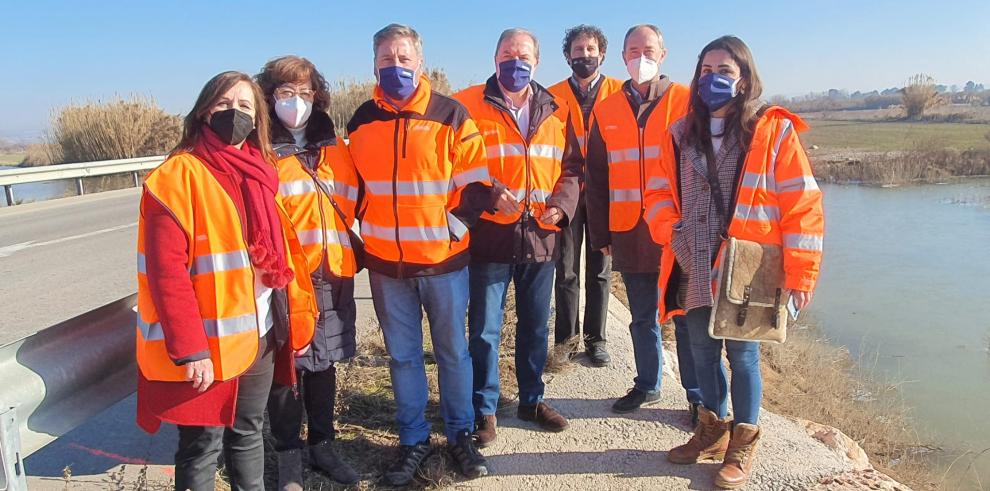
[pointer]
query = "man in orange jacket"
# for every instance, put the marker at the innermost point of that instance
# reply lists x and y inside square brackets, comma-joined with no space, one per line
[525,146]
[628,137]
[577,95]
[425,182]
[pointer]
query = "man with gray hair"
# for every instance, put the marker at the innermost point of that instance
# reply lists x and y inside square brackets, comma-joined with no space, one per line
[530,154]
[419,201]
[629,133]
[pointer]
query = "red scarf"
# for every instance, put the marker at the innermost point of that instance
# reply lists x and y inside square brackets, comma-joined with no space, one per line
[258,181]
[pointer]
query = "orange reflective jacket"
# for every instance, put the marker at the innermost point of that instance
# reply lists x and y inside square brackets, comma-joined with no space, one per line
[563,92]
[528,167]
[778,202]
[634,149]
[221,274]
[321,231]
[414,163]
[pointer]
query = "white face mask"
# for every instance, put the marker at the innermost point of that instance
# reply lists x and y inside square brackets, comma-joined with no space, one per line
[642,69]
[294,111]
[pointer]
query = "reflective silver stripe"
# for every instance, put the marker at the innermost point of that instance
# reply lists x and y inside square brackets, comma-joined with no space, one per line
[474,175]
[520,194]
[651,152]
[803,242]
[505,150]
[617,156]
[341,189]
[803,183]
[296,188]
[761,212]
[546,151]
[780,140]
[456,226]
[658,183]
[315,236]
[407,188]
[758,181]
[656,207]
[412,234]
[142,266]
[581,141]
[230,325]
[224,261]
[623,195]
[212,327]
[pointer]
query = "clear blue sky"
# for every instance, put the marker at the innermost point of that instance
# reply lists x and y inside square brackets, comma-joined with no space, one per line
[52,53]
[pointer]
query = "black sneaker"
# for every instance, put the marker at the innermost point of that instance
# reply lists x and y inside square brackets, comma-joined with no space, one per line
[404,469]
[634,399]
[598,355]
[470,462]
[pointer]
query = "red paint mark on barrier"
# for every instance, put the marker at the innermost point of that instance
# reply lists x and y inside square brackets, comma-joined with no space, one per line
[101,453]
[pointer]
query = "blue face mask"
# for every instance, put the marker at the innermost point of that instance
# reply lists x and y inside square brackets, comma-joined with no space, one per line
[397,82]
[717,90]
[514,75]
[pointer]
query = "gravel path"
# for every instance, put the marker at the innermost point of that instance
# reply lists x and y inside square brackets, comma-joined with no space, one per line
[604,450]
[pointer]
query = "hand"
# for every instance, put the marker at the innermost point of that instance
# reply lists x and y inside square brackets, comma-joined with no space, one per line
[200,373]
[552,215]
[507,203]
[607,250]
[802,299]
[301,352]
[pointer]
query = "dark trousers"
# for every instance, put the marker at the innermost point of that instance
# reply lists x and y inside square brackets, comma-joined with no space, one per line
[316,400]
[243,447]
[567,284]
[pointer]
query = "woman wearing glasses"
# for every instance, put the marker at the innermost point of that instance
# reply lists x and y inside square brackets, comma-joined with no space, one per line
[318,185]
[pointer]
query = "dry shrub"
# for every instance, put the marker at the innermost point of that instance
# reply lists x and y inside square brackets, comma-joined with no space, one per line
[118,129]
[919,95]
[930,161]
[37,154]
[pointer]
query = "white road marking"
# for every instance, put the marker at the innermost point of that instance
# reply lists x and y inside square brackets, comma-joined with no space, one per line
[13,248]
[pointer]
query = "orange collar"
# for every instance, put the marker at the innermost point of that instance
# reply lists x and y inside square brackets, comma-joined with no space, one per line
[416,104]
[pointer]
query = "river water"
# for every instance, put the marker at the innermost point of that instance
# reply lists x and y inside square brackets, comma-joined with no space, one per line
[905,285]
[39,191]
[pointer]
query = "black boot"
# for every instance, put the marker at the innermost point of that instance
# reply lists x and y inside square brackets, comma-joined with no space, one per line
[290,475]
[325,459]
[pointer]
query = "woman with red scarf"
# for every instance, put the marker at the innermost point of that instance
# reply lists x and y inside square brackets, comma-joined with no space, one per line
[224,294]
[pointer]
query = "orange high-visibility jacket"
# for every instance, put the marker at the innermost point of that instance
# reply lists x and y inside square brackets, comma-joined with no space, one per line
[633,150]
[778,202]
[221,274]
[563,92]
[415,164]
[542,170]
[321,230]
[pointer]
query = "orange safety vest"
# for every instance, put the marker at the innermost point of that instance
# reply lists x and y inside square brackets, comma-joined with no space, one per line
[414,162]
[569,105]
[528,167]
[221,274]
[633,151]
[321,231]
[778,202]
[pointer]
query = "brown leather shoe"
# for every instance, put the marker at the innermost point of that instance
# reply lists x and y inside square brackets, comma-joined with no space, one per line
[547,417]
[484,434]
[709,442]
[739,458]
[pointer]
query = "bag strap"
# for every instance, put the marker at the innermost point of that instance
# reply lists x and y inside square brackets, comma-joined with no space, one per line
[326,191]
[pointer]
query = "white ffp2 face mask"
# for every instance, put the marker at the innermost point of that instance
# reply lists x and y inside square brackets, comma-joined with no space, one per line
[294,111]
[642,69]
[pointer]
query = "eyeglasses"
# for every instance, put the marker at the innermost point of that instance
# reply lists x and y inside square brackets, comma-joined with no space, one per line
[287,92]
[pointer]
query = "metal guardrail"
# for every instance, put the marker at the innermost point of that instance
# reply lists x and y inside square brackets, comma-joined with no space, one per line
[59,377]
[11,177]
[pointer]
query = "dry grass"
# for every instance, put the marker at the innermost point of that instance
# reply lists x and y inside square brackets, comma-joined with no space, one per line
[121,128]
[900,168]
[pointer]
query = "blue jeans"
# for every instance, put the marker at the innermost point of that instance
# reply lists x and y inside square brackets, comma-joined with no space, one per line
[489,283]
[744,359]
[643,294]
[399,304]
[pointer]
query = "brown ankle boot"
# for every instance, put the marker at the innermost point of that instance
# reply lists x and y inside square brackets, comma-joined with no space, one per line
[710,440]
[485,434]
[739,458]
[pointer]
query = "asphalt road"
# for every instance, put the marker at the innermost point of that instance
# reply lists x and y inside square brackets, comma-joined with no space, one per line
[65,257]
